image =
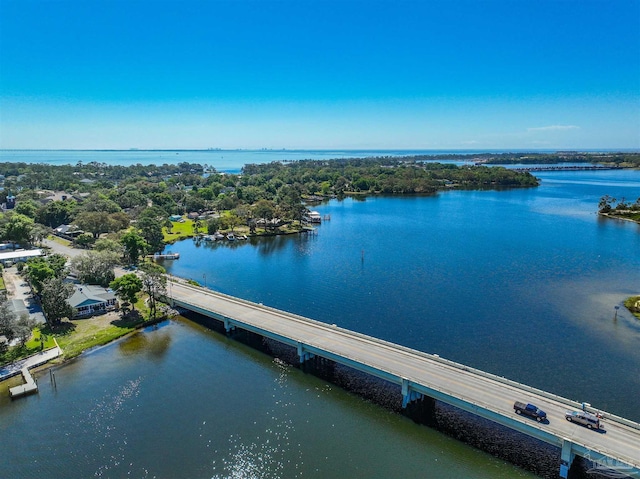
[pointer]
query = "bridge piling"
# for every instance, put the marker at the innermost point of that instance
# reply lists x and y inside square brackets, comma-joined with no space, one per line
[408,394]
[302,354]
[228,327]
[566,458]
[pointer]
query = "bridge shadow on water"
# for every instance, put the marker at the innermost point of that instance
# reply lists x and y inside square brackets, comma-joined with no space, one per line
[517,448]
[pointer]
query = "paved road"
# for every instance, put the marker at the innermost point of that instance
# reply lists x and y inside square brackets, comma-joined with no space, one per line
[62,249]
[496,395]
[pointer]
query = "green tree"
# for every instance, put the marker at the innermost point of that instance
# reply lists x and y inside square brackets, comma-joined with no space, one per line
[16,228]
[41,268]
[38,233]
[265,210]
[106,244]
[118,221]
[38,272]
[168,224]
[131,199]
[100,203]
[153,284]
[23,328]
[233,219]
[58,263]
[163,200]
[56,213]
[85,240]
[127,288]
[95,267]
[7,321]
[95,222]
[28,208]
[604,206]
[134,246]
[194,203]
[213,225]
[151,231]
[197,226]
[55,295]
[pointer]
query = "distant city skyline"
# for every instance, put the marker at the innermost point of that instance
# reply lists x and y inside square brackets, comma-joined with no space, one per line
[351,74]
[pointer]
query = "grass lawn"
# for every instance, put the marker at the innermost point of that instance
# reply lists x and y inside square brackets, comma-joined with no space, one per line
[76,335]
[57,239]
[184,230]
[79,334]
[178,232]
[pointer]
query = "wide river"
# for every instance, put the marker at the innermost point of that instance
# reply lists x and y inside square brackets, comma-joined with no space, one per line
[521,283]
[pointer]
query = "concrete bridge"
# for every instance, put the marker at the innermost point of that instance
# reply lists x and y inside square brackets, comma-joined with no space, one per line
[567,168]
[615,451]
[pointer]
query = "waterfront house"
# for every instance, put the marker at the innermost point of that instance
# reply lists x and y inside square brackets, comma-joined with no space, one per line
[89,299]
[314,217]
[273,223]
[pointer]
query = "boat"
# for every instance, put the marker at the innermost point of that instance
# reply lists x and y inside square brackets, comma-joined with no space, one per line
[241,237]
[166,256]
[231,237]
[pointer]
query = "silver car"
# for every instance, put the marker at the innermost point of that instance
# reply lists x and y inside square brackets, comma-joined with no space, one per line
[585,418]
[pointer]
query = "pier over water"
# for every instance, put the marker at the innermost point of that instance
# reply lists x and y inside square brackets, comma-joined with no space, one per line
[419,375]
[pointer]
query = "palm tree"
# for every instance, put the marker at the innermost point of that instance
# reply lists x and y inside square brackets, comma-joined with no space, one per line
[197,226]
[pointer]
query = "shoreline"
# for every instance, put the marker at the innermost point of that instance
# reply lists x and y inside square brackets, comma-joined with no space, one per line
[616,217]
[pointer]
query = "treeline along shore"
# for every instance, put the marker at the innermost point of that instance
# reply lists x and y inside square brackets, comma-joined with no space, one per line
[104,199]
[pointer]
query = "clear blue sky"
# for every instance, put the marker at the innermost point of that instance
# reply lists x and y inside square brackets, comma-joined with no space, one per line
[375,74]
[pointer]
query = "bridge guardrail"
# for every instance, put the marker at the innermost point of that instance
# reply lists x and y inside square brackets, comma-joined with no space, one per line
[433,357]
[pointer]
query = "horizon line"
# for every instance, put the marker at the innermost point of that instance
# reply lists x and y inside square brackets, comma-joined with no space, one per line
[505,150]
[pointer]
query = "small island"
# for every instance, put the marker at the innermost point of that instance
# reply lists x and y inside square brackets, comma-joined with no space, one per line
[619,209]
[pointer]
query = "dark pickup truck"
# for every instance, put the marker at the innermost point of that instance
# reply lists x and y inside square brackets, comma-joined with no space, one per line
[530,410]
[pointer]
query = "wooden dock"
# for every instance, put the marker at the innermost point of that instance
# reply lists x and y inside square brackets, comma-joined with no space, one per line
[29,387]
[22,367]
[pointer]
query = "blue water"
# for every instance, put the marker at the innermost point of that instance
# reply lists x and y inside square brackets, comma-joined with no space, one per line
[183,402]
[521,283]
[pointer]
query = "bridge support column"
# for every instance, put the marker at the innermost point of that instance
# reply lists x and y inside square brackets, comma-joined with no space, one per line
[228,327]
[302,354]
[566,458]
[408,394]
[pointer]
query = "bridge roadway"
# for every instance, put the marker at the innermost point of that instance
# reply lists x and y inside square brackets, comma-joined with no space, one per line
[418,373]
